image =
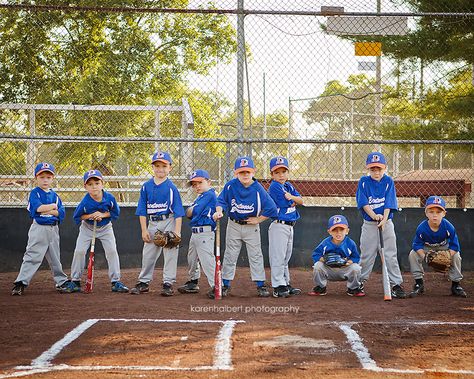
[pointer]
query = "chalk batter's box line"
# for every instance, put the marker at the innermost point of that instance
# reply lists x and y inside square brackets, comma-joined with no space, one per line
[366,360]
[42,364]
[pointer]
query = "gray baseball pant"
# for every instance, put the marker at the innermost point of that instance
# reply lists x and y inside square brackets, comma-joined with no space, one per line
[280,248]
[43,242]
[370,245]
[201,253]
[322,273]
[250,235]
[151,253]
[416,263]
[105,235]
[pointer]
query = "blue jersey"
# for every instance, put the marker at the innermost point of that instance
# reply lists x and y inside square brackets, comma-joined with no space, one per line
[241,202]
[446,235]
[159,199]
[286,208]
[39,197]
[203,208]
[380,195]
[88,205]
[346,249]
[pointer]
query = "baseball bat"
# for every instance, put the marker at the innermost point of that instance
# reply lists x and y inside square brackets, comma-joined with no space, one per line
[387,294]
[90,265]
[218,271]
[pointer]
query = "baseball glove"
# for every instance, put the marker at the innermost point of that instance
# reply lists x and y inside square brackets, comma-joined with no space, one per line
[332,259]
[160,238]
[439,261]
[172,240]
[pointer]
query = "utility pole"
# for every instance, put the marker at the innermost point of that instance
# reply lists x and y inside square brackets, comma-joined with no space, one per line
[240,73]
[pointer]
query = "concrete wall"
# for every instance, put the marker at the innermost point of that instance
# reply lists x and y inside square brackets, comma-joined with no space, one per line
[309,231]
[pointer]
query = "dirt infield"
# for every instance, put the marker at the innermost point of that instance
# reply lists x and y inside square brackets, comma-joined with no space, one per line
[106,335]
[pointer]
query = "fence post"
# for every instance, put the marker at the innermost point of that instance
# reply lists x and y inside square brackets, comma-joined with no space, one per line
[31,147]
[157,130]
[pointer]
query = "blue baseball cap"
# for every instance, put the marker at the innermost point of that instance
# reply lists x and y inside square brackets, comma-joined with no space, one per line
[44,167]
[244,164]
[92,174]
[337,221]
[198,176]
[278,162]
[435,201]
[161,156]
[376,159]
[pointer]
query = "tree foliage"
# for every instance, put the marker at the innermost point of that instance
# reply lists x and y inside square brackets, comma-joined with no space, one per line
[86,57]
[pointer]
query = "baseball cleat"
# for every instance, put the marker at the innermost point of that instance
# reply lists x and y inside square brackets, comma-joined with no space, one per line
[69,287]
[458,291]
[418,289]
[140,288]
[262,291]
[281,291]
[293,290]
[356,292]
[225,291]
[190,286]
[318,291]
[398,292]
[167,290]
[18,289]
[119,287]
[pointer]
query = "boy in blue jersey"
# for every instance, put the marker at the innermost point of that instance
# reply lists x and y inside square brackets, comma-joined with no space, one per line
[99,206]
[377,200]
[47,211]
[201,244]
[338,243]
[280,232]
[436,233]
[247,204]
[159,204]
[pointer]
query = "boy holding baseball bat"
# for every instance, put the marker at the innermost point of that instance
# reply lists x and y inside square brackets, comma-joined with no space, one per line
[377,200]
[247,204]
[47,211]
[201,244]
[99,207]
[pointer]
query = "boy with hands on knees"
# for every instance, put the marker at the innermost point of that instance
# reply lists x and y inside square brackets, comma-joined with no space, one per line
[336,258]
[433,235]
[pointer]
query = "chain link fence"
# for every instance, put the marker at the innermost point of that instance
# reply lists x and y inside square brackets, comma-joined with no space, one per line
[105,84]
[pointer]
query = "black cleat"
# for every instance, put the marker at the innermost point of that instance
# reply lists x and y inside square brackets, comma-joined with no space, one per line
[318,291]
[458,291]
[167,290]
[189,287]
[418,289]
[398,292]
[140,288]
[18,289]
[281,291]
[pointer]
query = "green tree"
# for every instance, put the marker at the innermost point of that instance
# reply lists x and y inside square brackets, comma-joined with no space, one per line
[86,57]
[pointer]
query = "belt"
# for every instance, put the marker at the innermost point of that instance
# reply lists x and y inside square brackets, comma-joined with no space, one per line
[202,229]
[291,223]
[160,217]
[240,222]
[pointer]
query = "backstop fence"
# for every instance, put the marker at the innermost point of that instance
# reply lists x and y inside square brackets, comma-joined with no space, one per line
[101,86]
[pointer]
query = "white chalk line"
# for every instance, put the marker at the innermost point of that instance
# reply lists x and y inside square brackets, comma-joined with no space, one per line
[402,323]
[42,364]
[365,359]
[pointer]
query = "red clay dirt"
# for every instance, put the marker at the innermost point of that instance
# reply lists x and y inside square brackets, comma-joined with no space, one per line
[32,323]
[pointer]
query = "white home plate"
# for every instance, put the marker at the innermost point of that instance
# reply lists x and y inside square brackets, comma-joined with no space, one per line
[297,342]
